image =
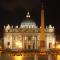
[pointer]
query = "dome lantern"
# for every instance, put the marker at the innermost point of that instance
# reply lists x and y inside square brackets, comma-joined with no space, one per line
[28,15]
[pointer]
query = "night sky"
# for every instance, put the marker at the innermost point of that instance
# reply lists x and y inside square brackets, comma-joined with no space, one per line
[14,11]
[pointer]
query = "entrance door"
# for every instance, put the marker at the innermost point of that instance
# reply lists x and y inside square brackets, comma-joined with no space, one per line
[29,47]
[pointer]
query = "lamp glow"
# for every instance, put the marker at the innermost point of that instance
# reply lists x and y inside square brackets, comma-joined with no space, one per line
[19,44]
[58,46]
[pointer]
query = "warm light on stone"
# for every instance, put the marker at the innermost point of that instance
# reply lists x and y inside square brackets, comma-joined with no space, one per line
[58,46]
[28,35]
[19,44]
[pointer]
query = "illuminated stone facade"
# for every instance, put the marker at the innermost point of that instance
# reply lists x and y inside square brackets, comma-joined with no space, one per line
[27,35]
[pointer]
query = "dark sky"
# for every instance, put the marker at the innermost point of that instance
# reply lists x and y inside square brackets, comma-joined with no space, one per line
[13,12]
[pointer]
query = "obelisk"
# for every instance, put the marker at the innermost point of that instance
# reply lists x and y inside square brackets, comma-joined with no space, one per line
[42,32]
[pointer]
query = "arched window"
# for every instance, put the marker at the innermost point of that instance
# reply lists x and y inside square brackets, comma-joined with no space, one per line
[33,45]
[8,43]
[29,46]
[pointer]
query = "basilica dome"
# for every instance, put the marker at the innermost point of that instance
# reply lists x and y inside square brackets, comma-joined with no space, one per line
[28,22]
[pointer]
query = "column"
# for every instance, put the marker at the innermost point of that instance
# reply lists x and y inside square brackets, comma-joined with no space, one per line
[13,39]
[31,44]
[27,41]
[52,57]
[23,41]
[35,41]
[49,57]
[35,57]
